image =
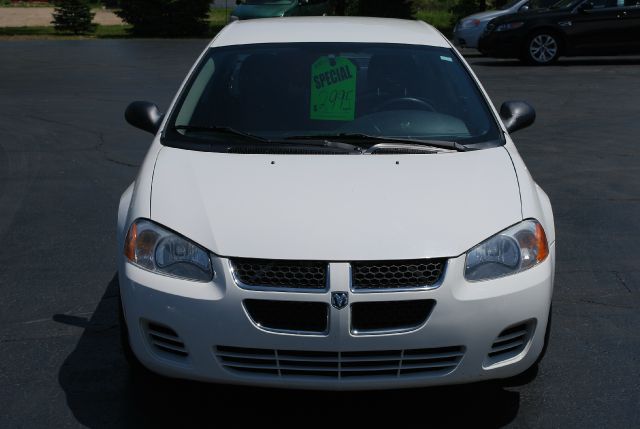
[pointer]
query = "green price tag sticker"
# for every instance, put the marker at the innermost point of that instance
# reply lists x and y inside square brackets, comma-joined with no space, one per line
[333,89]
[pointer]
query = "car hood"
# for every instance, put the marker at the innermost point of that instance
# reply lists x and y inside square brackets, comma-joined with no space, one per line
[487,15]
[334,207]
[530,14]
[250,11]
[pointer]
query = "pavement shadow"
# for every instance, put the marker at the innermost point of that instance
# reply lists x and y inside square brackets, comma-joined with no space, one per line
[562,62]
[101,391]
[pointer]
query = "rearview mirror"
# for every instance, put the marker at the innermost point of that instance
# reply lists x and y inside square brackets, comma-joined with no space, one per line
[144,115]
[517,115]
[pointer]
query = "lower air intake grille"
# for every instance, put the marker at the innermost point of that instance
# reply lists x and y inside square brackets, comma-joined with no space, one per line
[511,342]
[367,317]
[396,274]
[293,316]
[166,340]
[265,273]
[340,365]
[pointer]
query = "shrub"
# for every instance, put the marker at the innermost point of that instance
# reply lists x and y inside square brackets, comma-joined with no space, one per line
[166,18]
[383,8]
[466,7]
[73,16]
[386,8]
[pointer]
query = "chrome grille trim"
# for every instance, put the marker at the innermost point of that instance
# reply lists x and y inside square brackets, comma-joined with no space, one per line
[294,325]
[359,288]
[271,288]
[388,317]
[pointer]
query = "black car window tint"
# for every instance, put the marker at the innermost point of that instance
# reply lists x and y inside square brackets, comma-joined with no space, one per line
[604,4]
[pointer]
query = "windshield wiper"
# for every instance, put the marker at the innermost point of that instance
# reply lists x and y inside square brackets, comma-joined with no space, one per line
[232,131]
[441,144]
[221,130]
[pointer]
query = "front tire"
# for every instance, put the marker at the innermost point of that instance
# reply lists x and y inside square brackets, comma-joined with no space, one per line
[542,48]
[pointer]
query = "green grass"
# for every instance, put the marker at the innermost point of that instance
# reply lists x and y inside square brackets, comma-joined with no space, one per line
[10,3]
[217,18]
[102,32]
[441,19]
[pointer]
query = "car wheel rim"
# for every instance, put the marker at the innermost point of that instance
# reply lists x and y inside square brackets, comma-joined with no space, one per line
[543,48]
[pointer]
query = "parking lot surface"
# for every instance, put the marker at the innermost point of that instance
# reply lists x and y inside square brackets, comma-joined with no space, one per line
[66,155]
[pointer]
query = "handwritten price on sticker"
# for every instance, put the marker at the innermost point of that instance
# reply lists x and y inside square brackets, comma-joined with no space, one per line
[333,89]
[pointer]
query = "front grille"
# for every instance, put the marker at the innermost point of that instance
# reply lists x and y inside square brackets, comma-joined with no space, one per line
[165,340]
[389,315]
[396,274]
[265,273]
[511,342]
[293,316]
[432,362]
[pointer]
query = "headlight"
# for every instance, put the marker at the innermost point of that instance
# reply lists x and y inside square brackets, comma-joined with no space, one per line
[513,250]
[154,248]
[509,26]
[469,23]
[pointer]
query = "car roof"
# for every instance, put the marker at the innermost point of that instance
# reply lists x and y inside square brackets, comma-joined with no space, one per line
[329,29]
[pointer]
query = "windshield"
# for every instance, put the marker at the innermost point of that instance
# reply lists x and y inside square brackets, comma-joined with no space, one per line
[285,91]
[565,3]
[509,5]
[269,1]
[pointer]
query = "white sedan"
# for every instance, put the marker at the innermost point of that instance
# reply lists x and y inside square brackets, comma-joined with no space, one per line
[334,203]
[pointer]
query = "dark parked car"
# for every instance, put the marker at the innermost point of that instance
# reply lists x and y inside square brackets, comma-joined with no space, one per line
[250,9]
[569,27]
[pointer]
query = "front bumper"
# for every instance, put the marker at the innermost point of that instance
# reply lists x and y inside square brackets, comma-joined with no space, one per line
[468,37]
[208,315]
[507,44]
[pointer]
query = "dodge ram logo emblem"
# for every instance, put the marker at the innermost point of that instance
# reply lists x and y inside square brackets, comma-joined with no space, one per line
[339,299]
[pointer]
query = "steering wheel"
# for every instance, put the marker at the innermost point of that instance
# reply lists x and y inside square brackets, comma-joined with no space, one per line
[417,102]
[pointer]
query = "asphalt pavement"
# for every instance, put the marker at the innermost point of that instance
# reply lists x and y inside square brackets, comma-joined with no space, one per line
[66,155]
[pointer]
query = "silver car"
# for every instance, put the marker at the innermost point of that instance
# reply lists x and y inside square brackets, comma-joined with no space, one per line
[469,29]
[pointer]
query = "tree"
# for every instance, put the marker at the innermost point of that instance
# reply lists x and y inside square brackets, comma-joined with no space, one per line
[166,18]
[382,8]
[73,16]
[464,8]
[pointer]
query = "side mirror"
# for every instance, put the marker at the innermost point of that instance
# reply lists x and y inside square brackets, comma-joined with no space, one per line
[144,115]
[517,115]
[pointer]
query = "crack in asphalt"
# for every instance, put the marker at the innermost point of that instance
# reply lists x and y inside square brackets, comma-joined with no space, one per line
[100,147]
[60,335]
[621,280]
[606,304]
[66,124]
[559,271]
